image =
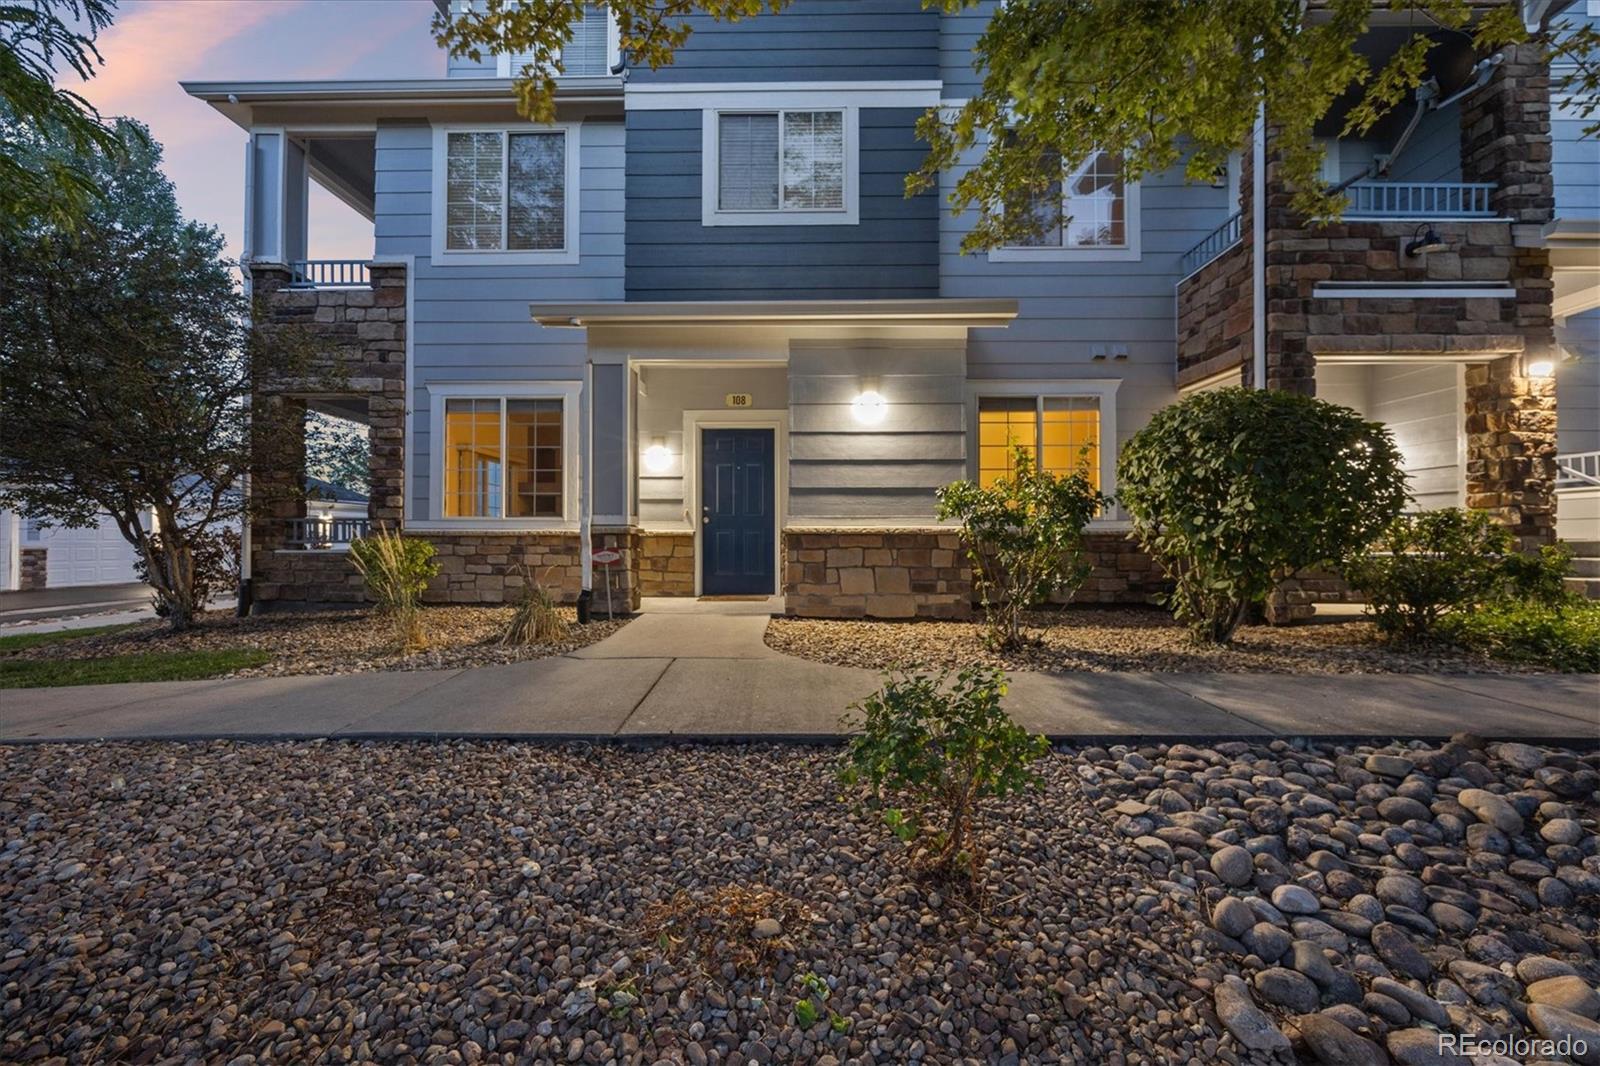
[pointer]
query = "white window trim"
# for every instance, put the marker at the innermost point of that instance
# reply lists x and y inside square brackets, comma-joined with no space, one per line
[443,256]
[1127,252]
[502,60]
[1102,389]
[711,214]
[568,392]
[775,419]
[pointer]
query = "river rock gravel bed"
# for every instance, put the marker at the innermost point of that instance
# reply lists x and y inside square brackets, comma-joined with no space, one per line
[1113,639]
[488,902]
[335,642]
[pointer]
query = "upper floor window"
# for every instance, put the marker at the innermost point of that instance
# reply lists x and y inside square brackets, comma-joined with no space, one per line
[1089,211]
[505,195]
[781,167]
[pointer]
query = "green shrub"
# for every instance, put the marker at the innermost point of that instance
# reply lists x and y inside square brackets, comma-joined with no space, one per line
[1430,563]
[1232,490]
[397,570]
[1539,577]
[932,751]
[1562,637]
[1024,538]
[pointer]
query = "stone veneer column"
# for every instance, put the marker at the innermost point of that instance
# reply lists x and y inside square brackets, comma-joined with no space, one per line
[1290,364]
[1511,418]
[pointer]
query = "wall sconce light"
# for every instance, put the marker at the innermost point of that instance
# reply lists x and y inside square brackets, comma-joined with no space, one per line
[871,407]
[1540,368]
[657,458]
[1425,240]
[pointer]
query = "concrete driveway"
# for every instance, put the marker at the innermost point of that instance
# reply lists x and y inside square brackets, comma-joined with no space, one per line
[702,670]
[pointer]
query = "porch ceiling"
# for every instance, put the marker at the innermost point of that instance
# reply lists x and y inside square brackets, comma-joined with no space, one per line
[776,312]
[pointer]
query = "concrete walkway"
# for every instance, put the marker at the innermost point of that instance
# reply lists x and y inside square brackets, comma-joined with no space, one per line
[702,670]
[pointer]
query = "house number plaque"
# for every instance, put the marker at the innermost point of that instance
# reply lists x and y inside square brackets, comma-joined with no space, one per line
[738,399]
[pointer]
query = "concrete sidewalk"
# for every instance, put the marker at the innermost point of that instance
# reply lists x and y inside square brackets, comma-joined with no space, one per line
[706,673]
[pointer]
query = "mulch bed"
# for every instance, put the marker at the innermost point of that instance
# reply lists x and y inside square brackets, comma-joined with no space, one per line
[336,642]
[1114,639]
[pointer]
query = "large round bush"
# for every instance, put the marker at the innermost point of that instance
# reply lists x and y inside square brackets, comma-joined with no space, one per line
[1233,489]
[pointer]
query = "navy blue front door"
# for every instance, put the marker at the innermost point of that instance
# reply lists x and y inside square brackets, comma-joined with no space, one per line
[736,512]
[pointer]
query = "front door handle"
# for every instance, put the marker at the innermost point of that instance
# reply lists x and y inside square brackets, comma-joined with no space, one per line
[705,516]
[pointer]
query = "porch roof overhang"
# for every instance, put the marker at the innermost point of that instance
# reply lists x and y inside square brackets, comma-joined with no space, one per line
[237,99]
[943,312]
[1574,247]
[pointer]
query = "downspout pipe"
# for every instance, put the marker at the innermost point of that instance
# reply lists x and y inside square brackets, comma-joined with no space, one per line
[1258,244]
[586,491]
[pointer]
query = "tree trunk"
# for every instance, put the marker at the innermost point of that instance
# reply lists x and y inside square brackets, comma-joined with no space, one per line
[177,567]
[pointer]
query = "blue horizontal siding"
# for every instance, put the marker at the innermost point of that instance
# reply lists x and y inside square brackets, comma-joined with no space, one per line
[811,40]
[891,253]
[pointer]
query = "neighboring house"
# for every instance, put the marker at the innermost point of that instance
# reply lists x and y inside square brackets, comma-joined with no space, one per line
[696,320]
[35,556]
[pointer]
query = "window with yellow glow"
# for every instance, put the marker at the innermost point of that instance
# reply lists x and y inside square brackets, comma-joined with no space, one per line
[1062,433]
[502,458]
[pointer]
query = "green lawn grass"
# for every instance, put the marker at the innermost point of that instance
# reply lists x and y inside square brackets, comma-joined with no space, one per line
[33,640]
[146,666]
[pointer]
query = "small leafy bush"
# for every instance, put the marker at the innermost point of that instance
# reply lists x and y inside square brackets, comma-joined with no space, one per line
[1540,577]
[538,619]
[931,751]
[214,555]
[1562,637]
[397,570]
[1234,489]
[1430,563]
[1024,537]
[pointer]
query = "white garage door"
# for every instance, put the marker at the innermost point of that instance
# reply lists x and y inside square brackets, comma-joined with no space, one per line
[96,556]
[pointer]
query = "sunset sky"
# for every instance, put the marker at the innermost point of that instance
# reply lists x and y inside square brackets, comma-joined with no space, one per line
[154,44]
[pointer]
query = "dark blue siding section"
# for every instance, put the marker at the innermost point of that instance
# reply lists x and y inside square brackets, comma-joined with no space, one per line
[812,40]
[893,252]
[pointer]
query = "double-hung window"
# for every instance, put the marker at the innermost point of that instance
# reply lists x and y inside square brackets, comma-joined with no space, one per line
[506,195]
[1089,211]
[1062,426]
[505,457]
[781,167]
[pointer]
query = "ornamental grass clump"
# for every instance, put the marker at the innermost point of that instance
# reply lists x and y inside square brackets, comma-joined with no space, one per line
[929,752]
[538,619]
[1235,489]
[397,571]
[1024,538]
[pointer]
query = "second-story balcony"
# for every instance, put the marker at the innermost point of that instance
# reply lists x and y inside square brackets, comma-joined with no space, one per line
[1434,201]
[330,274]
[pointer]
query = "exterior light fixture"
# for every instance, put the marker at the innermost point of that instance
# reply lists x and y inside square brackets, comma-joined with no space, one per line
[1425,240]
[871,407]
[1541,368]
[657,458]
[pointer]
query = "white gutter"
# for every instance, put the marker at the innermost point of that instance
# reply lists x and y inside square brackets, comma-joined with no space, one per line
[1258,259]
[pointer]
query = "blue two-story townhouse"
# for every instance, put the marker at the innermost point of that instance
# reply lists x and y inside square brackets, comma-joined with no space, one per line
[696,326]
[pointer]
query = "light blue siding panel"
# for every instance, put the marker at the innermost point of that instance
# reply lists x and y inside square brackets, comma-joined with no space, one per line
[471,323]
[958,35]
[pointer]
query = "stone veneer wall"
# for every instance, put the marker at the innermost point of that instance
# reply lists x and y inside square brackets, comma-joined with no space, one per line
[875,573]
[1122,573]
[363,332]
[33,568]
[1214,327]
[487,567]
[666,564]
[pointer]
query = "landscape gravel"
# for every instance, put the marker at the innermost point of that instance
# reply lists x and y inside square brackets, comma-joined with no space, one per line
[1111,639]
[489,902]
[335,642]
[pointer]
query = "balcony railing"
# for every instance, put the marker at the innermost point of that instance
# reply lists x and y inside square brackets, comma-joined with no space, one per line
[329,274]
[1419,199]
[1212,245]
[1577,469]
[325,534]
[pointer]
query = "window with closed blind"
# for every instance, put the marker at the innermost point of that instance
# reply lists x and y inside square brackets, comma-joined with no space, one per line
[505,195]
[589,53]
[781,167]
